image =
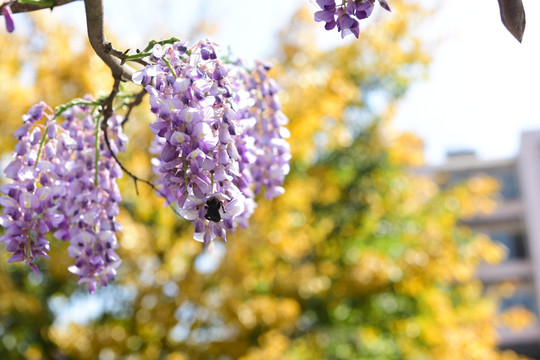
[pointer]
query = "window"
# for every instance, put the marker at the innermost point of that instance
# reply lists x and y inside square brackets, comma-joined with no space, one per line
[523,296]
[514,242]
[506,176]
[509,184]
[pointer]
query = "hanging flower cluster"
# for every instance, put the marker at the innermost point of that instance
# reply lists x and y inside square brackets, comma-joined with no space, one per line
[64,184]
[343,16]
[219,135]
[219,142]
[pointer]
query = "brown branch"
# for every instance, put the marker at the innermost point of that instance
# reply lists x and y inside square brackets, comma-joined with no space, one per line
[135,178]
[135,102]
[113,58]
[513,17]
[17,7]
[107,113]
[102,47]
[108,102]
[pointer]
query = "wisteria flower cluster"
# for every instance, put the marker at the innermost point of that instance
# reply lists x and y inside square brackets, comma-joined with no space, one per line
[219,142]
[219,135]
[64,186]
[345,16]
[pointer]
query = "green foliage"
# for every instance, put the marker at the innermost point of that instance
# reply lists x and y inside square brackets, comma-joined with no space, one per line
[359,259]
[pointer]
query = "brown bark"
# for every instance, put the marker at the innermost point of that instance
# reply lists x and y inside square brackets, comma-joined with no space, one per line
[18,7]
[513,17]
[102,47]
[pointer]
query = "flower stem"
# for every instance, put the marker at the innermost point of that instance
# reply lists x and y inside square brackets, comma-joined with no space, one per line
[161,42]
[60,109]
[170,67]
[148,49]
[45,3]
[41,143]
[96,163]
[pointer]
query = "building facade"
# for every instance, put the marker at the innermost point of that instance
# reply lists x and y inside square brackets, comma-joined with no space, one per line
[515,224]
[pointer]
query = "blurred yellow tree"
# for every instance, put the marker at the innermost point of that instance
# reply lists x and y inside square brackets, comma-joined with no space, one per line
[360,259]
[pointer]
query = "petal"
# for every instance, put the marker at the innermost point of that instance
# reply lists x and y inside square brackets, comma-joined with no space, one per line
[178,138]
[16,257]
[13,168]
[29,201]
[325,16]
[273,192]
[235,207]
[10,25]
[384,5]
[168,153]
[21,131]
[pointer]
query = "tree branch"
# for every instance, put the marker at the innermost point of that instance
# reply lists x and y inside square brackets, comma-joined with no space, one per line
[113,58]
[108,102]
[102,47]
[107,110]
[17,7]
[107,113]
[513,17]
[131,105]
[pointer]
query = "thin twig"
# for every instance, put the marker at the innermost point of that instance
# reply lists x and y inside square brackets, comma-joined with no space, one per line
[135,178]
[107,111]
[138,61]
[108,102]
[135,102]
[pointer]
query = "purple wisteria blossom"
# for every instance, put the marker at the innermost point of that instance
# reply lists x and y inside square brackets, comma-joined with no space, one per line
[219,140]
[219,136]
[8,17]
[62,185]
[30,207]
[91,203]
[265,152]
[346,14]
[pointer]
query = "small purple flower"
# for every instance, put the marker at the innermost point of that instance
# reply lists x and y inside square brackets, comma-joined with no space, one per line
[327,4]
[347,25]
[384,5]
[345,15]
[157,52]
[364,9]
[208,52]
[328,17]
[8,17]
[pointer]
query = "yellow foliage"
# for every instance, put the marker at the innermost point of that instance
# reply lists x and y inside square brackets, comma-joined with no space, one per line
[406,149]
[49,72]
[371,270]
[33,353]
[517,318]
[357,257]
[273,345]
[483,248]
[475,197]
[64,335]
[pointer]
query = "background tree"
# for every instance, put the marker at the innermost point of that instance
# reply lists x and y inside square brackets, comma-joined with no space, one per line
[359,259]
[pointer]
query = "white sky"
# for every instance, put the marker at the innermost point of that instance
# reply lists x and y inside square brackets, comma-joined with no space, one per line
[482,90]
